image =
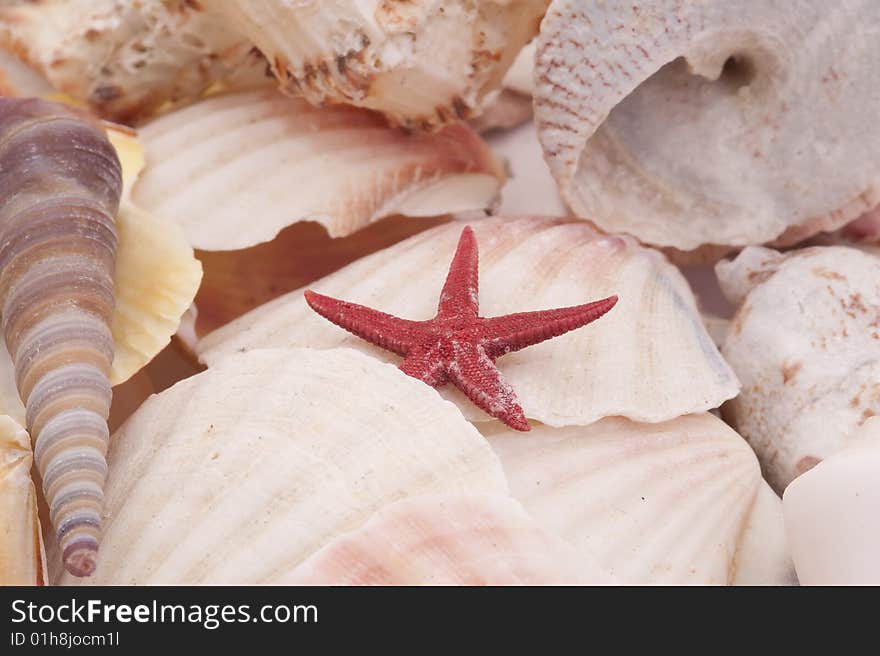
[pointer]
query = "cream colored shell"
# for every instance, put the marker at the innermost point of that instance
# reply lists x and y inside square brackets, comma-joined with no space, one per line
[649,359]
[806,345]
[237,474]
[711,121]
[278,161]
[421,62]
[681,502]
[831,515]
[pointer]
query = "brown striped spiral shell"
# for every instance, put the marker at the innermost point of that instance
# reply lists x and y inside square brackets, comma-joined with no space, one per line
[60,182]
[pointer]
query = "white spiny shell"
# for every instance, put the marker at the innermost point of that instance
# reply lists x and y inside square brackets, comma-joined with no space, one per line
[449,540]
[278,160]
[649,359]
[679,502]
[421,63]
[831,515]
[22,561]
[237,474]
[806,345]
[126,58]
[729,122]
[19,79]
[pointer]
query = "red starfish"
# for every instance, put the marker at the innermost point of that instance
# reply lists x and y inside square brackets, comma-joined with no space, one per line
[458,345]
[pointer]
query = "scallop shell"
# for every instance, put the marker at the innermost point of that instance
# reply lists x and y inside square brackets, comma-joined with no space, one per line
[126,59]
[448,540]
[678,502]
[22,560]
[712,122]
[421,63]
[238,474]
[651,359]
[831,515]
[806,345]
[279,161]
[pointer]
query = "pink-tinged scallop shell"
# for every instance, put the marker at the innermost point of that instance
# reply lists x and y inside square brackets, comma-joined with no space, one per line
[717,122]
[278,161]
[805,344]
[449,540]
[650,360]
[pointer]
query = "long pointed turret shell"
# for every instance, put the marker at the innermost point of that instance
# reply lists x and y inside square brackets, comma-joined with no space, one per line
[279,161]
[806,345]
[711,121]
[238,474]
[449,540]
[678,502]
[421,63]
[60,183]
[650,360]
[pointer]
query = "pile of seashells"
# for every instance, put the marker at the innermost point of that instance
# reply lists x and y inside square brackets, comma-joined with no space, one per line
[173,174]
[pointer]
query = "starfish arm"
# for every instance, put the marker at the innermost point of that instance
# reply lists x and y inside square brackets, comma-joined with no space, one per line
[460,295]
[475,374]
[384,330]
[513,332]
[426,366]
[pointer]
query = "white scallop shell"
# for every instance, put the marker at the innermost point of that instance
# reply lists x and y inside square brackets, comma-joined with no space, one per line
[449,540]
[237,474]
[831,515]
[806,345]
[649,359]
[235,169]
[679,502]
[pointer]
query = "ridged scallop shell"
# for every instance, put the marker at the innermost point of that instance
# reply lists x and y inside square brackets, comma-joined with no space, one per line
[238,474]
[60,183]
[678,502]
[448,540]
[831,515]
[806,345]
[126,59]
[421,63]
[712,122]
[22,561]
[650,360]
[278,161]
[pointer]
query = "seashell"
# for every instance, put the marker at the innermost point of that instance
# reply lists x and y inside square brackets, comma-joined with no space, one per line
[864,228]
[714,122]
[22,559]
[805,343]
[60,183]
[677,502]
[19,79]
[831,514]
[506,111]
[350,169]
[448,540]
[520,75]
[420,63]
[126,59]
[238,474]
[531,264]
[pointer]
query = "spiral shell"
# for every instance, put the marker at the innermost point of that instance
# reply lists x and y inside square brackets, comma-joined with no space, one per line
[60,183]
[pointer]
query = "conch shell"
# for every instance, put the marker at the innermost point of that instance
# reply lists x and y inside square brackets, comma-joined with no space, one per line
[711,122]
[421,63]
[60,184]
[650,360]
[805,343]
[279,160]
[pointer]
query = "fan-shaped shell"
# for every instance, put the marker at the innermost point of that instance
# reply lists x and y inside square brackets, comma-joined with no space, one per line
[806,345]
[831,515]
[650,359]
[449,540]
[237,474]
[711,122]
[678,502]
[421,63]
[278,160]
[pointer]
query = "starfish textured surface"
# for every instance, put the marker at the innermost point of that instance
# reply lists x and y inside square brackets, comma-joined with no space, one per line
[458,345]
